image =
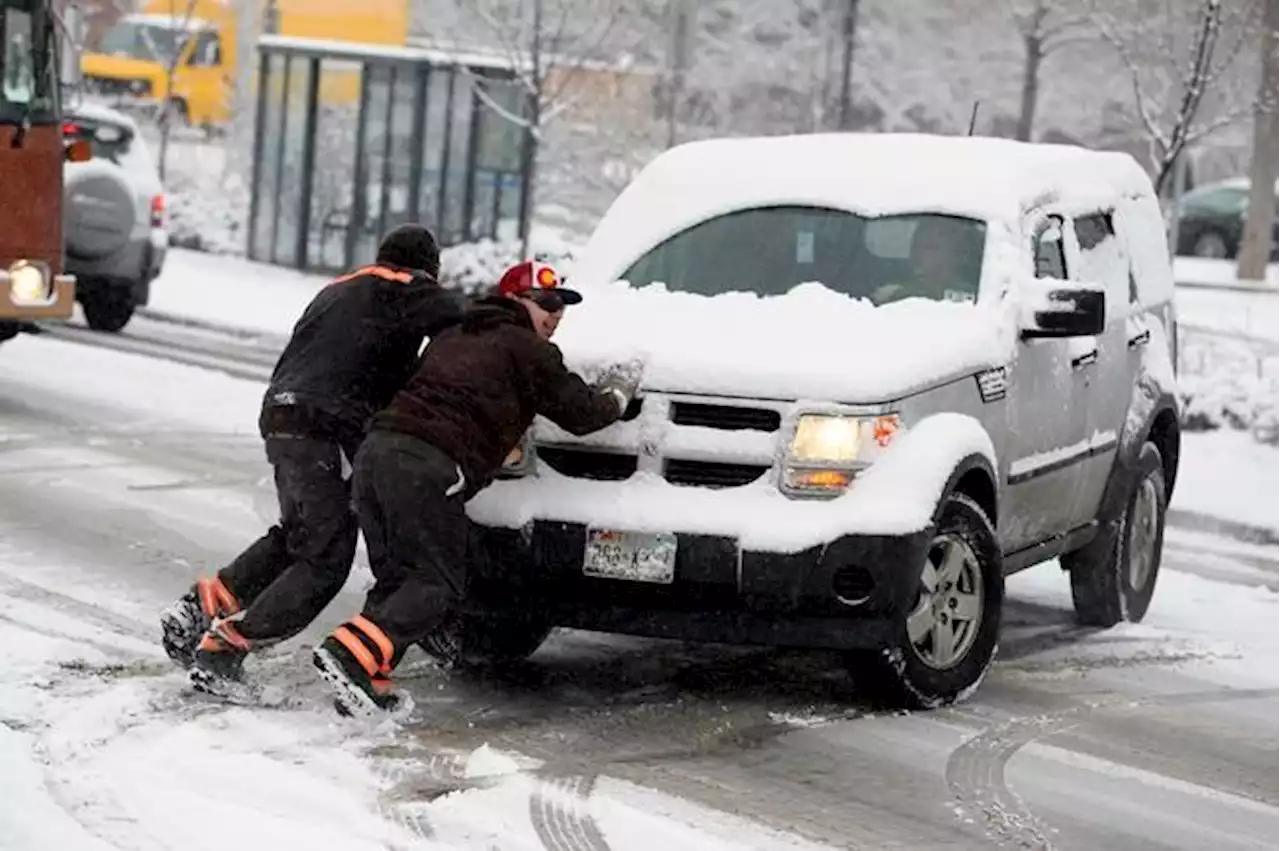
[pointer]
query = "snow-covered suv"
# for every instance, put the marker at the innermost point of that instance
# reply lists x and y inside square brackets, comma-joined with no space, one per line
[883,372]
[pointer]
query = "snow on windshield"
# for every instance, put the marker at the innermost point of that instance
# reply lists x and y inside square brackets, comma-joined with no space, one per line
[811,342]
[148,42]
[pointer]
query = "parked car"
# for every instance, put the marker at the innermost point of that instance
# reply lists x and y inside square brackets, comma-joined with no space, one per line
[115,225]
[1211,220]
[883,372]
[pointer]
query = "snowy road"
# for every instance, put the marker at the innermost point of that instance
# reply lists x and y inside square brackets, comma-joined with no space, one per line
[121,477]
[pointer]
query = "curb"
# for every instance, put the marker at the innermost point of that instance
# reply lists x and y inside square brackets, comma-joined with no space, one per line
[1193,521]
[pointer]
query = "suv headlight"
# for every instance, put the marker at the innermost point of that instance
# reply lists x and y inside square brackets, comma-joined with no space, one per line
[30,283]
[827,451]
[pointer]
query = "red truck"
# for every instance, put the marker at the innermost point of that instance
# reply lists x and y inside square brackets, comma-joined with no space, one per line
[32,153]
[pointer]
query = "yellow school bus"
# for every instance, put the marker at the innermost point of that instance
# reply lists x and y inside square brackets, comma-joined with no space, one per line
[130,67]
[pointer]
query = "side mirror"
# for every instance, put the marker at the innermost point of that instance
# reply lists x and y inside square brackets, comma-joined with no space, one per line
[79,151]
[1077,311]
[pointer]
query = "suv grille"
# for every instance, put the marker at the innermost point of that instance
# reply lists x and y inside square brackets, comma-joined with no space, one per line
[725,416]
[588,464]
[712,474]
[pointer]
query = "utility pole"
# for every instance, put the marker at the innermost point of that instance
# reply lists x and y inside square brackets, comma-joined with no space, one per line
[677,65]
[846,78]
[1256,246]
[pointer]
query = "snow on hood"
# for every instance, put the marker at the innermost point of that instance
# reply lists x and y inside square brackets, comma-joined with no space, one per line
[812,343]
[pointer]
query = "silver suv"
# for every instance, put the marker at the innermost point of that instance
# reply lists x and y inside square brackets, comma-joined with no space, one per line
[981,380]
[114,217]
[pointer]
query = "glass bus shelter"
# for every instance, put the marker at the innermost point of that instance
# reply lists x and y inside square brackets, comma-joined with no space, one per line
[352,140]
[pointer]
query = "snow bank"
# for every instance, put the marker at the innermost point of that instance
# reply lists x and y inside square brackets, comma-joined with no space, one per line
[894,496]
[1229,476]
[810,343]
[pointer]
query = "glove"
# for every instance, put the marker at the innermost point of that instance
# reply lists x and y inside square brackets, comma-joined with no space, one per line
[622,380]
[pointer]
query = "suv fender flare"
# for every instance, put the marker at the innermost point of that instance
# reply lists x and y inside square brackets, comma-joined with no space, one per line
[975,477]
[1160,424]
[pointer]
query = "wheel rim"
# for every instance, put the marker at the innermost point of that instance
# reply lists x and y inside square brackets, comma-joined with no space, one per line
[1142,534]
[944,624]
[1210,245]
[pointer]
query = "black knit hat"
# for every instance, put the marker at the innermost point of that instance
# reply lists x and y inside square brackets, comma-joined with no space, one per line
[411,246]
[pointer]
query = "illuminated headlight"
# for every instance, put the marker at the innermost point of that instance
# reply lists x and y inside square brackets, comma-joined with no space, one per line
[827,451]
[29,283]
[519,461]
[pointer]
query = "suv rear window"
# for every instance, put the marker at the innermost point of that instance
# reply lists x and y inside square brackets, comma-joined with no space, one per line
[769,250]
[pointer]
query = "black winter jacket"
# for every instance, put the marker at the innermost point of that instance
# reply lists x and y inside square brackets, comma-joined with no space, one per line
[354,346]
[480,384]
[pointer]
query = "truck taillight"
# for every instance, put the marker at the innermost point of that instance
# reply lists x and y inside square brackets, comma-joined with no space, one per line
[157,211]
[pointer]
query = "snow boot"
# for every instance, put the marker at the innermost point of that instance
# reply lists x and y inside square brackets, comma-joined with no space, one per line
[356,662]
[218,663]
[185,622]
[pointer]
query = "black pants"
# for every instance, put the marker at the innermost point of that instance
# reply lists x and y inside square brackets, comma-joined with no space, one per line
[287,577]
[410,502]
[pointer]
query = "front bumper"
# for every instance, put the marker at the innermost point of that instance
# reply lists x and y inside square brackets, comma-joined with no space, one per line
[60,305]
[846,594]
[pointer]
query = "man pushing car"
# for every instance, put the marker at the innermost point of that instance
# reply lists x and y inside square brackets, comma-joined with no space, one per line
[443,439]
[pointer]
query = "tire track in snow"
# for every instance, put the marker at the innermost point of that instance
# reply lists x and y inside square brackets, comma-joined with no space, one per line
[976,770]
[558,809]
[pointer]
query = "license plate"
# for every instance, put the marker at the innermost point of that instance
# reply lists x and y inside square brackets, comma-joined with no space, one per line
[634,556]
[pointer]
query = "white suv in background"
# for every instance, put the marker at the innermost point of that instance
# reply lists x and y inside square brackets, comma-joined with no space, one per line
[114,217]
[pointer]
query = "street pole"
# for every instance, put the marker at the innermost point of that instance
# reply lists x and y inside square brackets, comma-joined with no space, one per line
[1259,215]
[846,78]
[677,66]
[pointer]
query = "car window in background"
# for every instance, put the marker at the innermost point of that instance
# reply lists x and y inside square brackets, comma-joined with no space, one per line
[770,250]
[1226,200]
[114,143]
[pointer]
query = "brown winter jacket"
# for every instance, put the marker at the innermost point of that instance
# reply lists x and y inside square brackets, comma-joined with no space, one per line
[480,384]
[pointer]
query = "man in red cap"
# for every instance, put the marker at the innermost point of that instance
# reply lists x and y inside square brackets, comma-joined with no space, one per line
[442,439]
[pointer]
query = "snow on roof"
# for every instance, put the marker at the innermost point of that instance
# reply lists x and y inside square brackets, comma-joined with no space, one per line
[95,111]
[394,53]
[866,173]
[171,22]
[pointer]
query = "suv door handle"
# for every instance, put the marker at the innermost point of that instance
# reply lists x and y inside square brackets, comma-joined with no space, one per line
[1140,340]
[1086,359]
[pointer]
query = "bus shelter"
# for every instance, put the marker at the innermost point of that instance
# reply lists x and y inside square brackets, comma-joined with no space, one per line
[352,140]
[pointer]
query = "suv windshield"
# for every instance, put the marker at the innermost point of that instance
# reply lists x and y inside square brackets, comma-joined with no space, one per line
[769,250]
[27,63]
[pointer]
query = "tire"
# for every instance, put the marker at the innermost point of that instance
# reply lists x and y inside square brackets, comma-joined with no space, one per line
[907,675]
[1211,244]
[108,308]
[1114,578]
[473,640]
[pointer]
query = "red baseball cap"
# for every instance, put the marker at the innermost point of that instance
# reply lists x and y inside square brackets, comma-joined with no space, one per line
[539,282]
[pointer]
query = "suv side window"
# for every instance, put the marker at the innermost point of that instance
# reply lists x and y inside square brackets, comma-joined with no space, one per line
[1049,249]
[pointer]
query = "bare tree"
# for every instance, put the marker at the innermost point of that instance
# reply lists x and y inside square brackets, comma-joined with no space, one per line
[167,108]
[1045,27]
[1171,76]
[552,46]
[1254,247]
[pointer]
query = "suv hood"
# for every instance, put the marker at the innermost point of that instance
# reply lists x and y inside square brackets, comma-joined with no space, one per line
[810,344]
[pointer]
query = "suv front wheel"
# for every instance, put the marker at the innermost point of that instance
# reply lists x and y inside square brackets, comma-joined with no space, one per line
[947,640]
[1114,577]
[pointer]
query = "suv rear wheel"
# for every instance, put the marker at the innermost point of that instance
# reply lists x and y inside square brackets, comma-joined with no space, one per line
[947,641]
[108,308]
[1114,577]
